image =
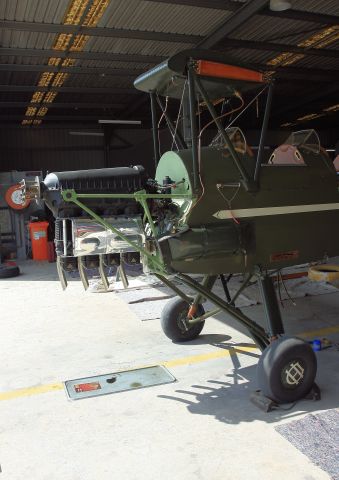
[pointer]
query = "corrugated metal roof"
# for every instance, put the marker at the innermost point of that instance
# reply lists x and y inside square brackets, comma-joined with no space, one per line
[327,64]
[113,64]
[98,81]
[17,39]
[126,45]
[251,56]
[14,96]
[328,7]
[18,78]
[264,28]
[19,60]
[162,17]
[47,11]
[149,16]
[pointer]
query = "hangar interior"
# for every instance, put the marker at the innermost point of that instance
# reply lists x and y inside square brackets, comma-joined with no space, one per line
[75,97]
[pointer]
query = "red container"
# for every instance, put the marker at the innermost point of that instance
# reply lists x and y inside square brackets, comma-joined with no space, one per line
[38,234]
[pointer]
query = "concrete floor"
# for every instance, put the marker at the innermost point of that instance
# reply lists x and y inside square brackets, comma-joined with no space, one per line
[201,427]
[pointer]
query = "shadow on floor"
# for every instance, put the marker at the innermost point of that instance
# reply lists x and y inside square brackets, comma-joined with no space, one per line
[215,339]
[228,401]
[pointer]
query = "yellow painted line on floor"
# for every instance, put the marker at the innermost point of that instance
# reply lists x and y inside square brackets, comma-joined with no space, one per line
[233,349]
[190,360]
[320,332]
[26,392]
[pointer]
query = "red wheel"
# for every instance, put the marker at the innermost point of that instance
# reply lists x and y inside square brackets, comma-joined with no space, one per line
[14,199]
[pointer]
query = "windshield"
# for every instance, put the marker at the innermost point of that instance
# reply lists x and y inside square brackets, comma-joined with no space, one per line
[307,139]
[236,136]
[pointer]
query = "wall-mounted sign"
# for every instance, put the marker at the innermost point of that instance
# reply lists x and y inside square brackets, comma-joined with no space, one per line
[14,198]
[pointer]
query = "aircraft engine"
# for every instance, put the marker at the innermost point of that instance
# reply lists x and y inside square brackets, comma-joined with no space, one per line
[77,235]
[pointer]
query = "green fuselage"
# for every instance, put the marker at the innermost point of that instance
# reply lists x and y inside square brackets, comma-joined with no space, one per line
[292,218]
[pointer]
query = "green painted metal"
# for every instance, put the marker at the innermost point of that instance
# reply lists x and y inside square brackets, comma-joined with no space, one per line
[219,245]
[261,239]
[148,215]
[210,313]
[179,167]
[235,312]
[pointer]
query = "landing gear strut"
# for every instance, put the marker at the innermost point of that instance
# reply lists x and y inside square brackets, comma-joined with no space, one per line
[287,368]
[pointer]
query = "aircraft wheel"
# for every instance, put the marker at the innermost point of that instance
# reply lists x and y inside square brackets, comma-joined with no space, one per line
[172,317]
[286,370]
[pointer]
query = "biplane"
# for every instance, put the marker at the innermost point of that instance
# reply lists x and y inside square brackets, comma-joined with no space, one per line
[213,209]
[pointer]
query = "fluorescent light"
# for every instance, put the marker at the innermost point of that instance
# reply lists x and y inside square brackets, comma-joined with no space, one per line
[90,134]
[122,122]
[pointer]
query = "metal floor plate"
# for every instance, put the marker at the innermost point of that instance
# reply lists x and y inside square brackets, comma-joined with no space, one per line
[117,382]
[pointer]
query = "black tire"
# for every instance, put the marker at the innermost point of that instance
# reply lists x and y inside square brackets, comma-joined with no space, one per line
[286,370]
[8,272]
[174,311]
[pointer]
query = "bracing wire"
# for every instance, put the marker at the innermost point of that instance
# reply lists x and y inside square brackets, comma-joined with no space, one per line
[178,116]
[230,200]
[222,116]
[199,143]
[287,293]
[247,106]
[163,115]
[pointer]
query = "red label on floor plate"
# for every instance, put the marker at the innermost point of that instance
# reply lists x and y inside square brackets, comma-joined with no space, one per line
[87,387]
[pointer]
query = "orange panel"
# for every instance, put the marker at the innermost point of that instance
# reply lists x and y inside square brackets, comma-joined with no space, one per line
[221,70]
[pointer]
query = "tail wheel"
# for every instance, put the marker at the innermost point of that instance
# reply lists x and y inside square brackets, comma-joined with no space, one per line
[173,319]
[286,370]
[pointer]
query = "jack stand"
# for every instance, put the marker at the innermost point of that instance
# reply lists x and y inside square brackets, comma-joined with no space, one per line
[267,405]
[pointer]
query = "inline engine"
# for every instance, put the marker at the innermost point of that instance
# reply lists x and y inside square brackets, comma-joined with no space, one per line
[81,242]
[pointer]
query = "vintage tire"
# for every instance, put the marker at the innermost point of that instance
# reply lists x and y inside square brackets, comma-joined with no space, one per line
[8,272]
[286,370]
[172,313]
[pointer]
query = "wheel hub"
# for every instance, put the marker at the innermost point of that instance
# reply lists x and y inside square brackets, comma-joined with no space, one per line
[292,375]
[182,322]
